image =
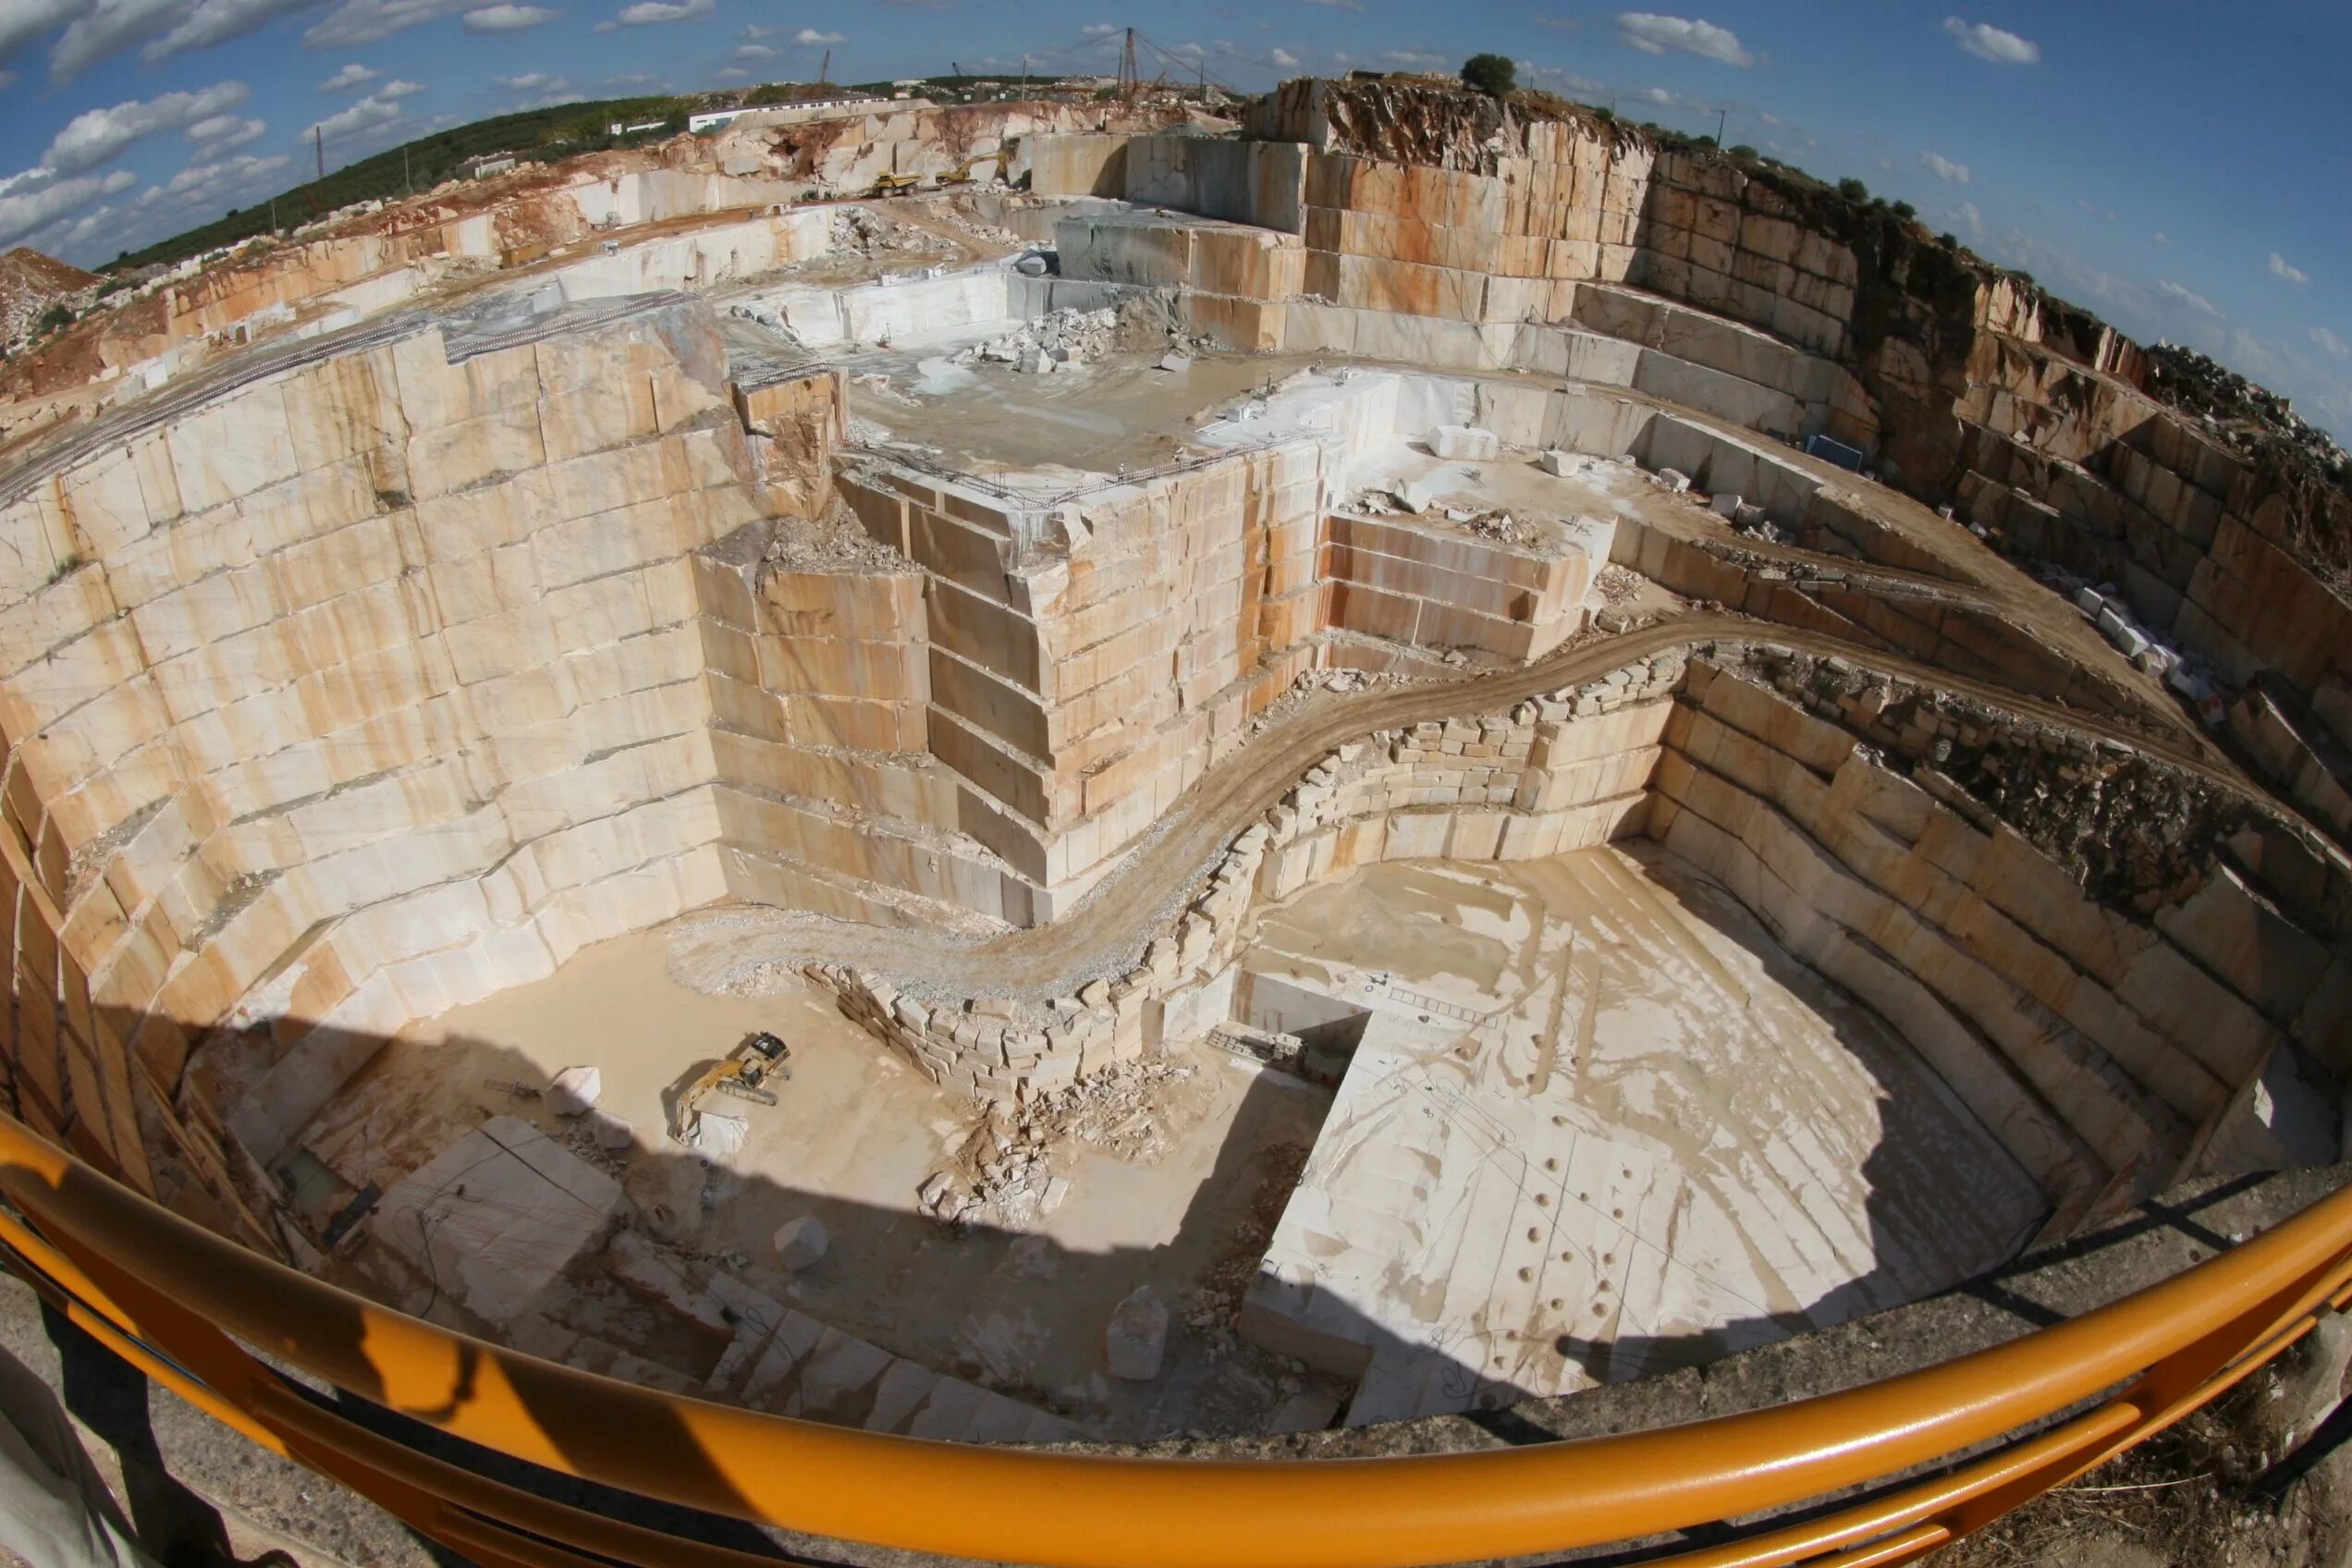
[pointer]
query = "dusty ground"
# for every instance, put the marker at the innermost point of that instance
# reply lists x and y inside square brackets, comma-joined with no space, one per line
[1162,1196]
[993,421]
[2183,1499]
[1600,1123]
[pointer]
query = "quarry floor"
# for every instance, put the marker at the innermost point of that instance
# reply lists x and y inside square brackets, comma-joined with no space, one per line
[857,1132]
[1703,1145]
[1600,1124]
[1077,425]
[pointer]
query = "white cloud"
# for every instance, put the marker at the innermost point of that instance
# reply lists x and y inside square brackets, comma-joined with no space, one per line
[378,109]
[98,29]
[217,22]
[507,18]
[529,82]
[1285,59]
[65,238]
[97,135]
[1988,43]
[646,13]
[1967,217]
[1420,57]
[21,213]
[1655,34]
[2330,343]
[351,76]
[200,184]
[109,27]
[810,35]
[21,22]
[2280,269]
[1101,30]
[1944,168]
[753,51]
[2162,238]
[371,21]
[1336,5]
[2194,301]
[223,132]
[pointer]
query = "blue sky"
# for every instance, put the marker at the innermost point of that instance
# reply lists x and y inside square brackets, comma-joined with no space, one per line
[2184,170]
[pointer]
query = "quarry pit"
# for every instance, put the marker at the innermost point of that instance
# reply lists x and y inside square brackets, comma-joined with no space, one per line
[1364,780]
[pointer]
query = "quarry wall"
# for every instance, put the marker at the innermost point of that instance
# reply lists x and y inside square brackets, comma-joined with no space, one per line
[1420,238]
[391,677]
[374,684]
[2110,1051]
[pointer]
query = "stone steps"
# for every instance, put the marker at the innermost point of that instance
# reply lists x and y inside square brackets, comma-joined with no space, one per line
[787,1362]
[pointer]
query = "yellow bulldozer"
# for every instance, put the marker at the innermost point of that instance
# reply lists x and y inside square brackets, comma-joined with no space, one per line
[744,1072]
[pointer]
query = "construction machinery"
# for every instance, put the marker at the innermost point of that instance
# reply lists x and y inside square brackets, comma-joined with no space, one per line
[744,1072]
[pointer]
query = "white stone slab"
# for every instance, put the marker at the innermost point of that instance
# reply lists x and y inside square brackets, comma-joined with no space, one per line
[493,1218]
[1599,1125]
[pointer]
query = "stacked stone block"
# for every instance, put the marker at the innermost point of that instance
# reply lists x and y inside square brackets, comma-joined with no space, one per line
[1559,773]
[376,681]
[1393,579]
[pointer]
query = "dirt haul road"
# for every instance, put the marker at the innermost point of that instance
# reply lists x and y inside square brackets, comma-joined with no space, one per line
[1105,934]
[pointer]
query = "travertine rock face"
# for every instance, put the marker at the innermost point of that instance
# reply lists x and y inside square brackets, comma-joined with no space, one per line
[1430,229]
[375,683]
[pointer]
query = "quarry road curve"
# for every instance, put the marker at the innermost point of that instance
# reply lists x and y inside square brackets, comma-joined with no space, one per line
[1104,935]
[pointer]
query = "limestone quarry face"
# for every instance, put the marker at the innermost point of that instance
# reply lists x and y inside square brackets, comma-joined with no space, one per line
[1395,758]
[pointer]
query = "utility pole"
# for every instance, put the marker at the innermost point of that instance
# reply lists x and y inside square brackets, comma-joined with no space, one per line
[824,71]
[1025,76]
[405,188]
[1131,74]
[273,217]
[318,133]
[1723,117]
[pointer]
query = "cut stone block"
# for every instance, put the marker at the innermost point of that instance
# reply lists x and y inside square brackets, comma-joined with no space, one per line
[496,1215]
[575,1090]
[1136,1339]
[718,1135]
[1463,441]
[800,1243]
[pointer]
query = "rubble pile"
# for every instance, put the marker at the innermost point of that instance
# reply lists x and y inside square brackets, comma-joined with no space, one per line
[833,543]
[1004,1174]
[32,283]
[1499,527]
[2139,834]
[1040,347]
[1614,584]
[2247,416]
[864,232]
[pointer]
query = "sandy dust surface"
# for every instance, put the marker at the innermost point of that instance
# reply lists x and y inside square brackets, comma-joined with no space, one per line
[854,1135]
[1637,1132]
[996,422]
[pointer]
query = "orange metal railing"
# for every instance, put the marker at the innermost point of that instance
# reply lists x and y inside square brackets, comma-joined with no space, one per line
[1936,1452]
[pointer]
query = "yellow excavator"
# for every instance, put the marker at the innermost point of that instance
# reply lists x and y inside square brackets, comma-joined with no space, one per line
[745,1073]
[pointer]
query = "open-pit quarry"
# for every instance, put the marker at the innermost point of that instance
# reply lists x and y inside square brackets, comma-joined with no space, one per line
[1385,763]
